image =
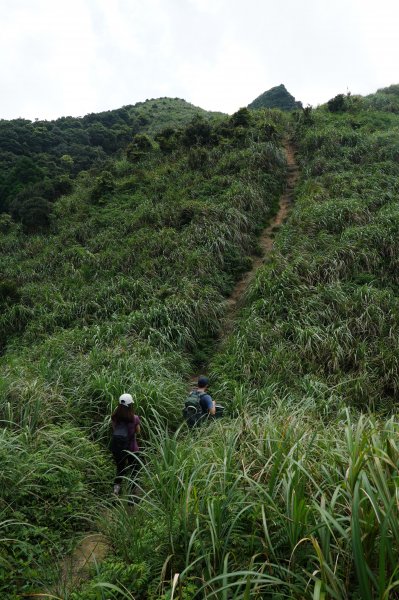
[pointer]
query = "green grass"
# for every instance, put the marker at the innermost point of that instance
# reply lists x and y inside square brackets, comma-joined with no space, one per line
[277,504]
[117,296]
[294,494]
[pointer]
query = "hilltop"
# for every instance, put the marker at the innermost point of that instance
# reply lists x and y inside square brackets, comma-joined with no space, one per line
[276,97]
[41,159]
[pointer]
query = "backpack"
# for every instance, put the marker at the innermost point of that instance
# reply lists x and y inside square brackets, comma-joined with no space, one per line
[120,435]
[192,411]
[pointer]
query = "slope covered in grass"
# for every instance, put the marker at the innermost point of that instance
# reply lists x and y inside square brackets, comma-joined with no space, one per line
[295,496]
[316,343]
[39,160]
[322,319]
[125,292]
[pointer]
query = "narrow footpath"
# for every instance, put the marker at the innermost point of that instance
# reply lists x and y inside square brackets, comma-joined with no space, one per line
[93,548]
[266,238]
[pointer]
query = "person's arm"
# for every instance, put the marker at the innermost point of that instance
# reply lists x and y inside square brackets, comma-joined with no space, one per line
[210,404]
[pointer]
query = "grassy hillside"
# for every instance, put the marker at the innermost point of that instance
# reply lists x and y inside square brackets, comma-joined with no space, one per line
[323,315]
[124,292]
[294,495]
[316,345]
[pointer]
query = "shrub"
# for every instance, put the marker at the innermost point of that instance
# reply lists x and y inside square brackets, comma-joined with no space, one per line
[198,133]
[139,147]
[103,188]
[35,215]
[337,104]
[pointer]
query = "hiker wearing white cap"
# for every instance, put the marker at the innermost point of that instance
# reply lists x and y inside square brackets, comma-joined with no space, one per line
[125,427]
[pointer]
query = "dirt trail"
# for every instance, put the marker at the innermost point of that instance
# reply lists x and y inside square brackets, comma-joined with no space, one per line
[266,238]
[75,568]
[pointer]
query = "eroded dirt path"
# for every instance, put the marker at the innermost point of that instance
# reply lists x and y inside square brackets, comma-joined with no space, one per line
[76,568]
[266,238]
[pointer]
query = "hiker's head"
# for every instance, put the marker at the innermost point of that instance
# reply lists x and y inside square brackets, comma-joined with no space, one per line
[124,411]
[203,382]
[126,400]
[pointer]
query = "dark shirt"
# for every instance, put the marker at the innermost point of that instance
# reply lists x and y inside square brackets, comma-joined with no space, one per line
[131,432]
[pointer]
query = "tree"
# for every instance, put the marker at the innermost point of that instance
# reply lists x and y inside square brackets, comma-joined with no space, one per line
[140,145]
[167,140]
[67,161]
[24,174]
[35,215]
[104,187]
[337,104]
[197,133]
[241,118]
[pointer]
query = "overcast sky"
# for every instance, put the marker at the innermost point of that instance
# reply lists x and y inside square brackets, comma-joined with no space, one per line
[72,57]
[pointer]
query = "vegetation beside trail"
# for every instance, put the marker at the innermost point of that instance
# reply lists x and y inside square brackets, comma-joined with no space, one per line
[319,334]
[124,292]
[295,494]
[277,503]
[322,318]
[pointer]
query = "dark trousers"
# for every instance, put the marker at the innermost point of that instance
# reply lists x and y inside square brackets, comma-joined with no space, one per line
[126,463]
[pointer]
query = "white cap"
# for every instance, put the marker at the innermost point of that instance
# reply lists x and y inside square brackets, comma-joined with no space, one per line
[126,400]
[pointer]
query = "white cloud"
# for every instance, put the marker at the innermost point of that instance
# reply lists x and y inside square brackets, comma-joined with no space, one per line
[78,56]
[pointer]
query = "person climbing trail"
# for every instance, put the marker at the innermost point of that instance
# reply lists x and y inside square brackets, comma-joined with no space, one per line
[199,405]
[124,446]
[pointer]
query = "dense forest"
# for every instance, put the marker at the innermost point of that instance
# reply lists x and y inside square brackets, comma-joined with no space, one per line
[125,287]
[39,160]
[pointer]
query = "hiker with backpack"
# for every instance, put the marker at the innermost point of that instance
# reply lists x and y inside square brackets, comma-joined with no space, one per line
[125,428]
[199,405]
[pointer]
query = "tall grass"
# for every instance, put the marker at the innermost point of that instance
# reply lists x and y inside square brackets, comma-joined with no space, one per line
[284,504]
[52,481]
[126,292]
[296,496]
[293,496]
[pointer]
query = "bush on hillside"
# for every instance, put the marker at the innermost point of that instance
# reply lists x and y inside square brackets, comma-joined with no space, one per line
[50,491]
[103,188]
[337,104]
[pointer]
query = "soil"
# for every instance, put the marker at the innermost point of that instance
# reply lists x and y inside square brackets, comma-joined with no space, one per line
[91,550]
